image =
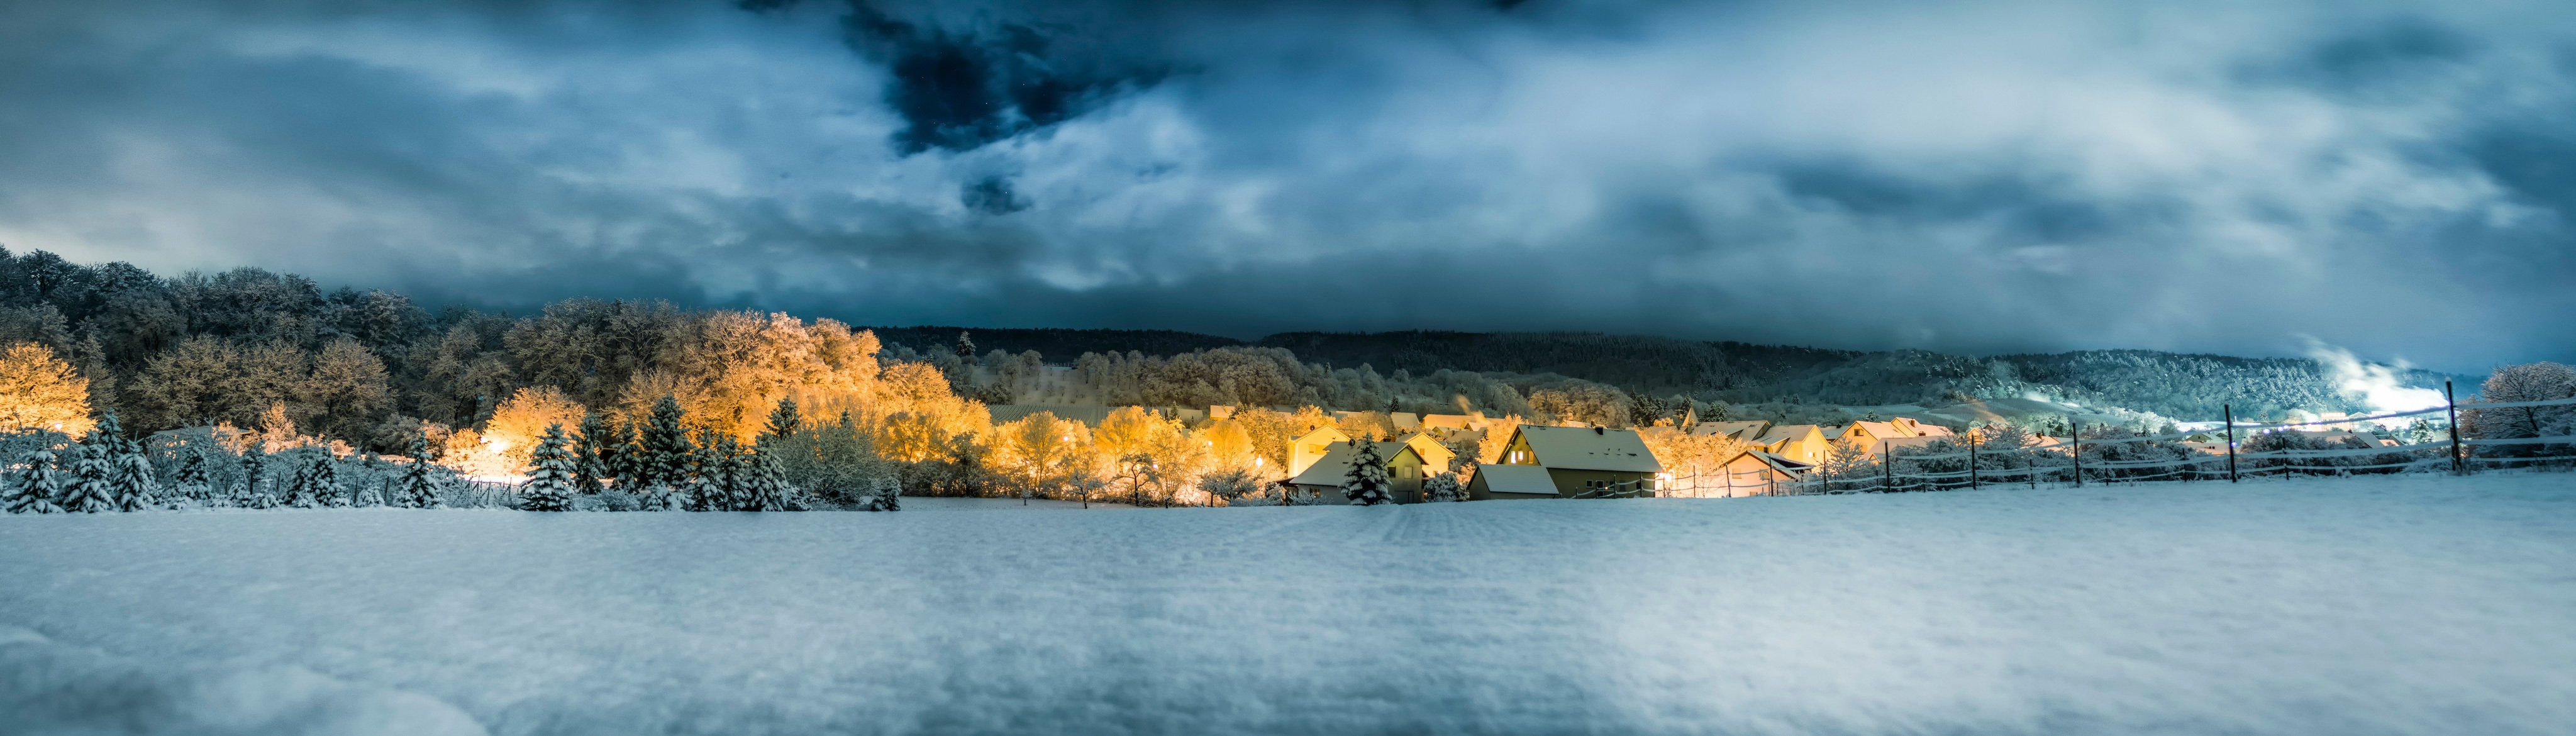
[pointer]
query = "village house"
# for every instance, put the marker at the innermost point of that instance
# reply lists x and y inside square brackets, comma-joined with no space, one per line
[1323,479]
[1306,450]
[1445,422]
[1756,473]
[1746,432]
[1580,462]
[1804,443]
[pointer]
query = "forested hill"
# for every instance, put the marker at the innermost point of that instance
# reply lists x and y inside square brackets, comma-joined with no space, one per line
[1056,345]
[2175,385]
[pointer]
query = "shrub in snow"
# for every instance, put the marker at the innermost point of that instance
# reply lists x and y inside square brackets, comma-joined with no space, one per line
[885,494]
[1229,485]
[1366,483]
[91,488]
[33,491]
[1442,488]
[549,486]
[252,492]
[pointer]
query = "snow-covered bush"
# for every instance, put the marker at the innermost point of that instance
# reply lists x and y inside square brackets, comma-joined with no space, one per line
[32,490]
[1443,488]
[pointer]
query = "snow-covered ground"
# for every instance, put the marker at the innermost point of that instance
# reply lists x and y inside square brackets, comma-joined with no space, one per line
[2419,605]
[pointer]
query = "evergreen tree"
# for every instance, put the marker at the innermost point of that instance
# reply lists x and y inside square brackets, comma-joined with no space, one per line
[193,482]
[589,461]
[418,488]
[965,346]
[316,483]
[783,423]
[1366,484]
[131,481]
[366,493]
[665,447]
[618,453]
[1443,487]
[706,482]
[549,486]
[766,485]
[254,472]
[33,491]
[91,487]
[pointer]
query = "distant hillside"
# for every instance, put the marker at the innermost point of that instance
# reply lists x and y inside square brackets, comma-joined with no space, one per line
[2175,385]
[1056,345]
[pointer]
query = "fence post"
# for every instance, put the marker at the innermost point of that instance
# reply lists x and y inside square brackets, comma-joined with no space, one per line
[1972,463]
[2451,409]
[1886,467]
[2230,413]
[2075,440]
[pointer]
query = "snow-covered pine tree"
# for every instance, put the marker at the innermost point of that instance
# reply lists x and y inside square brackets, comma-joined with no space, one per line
[250,494]
[418,489]
[131,481]
[666,452]
[192,481]
[783,423]
[33,491]
[91,487]
[733,490]
[617,453]
[316,483]
[366,492]
[886,494]
[549,486]
[1443,487]
[589,461]
[704,488]
[765,484]
[1366,483]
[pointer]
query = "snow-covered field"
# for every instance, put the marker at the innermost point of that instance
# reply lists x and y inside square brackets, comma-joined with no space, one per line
[2418,605]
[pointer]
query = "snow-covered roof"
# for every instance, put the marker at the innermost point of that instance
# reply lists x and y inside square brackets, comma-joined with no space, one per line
[1330,469]
[1787,432]
[1522,479]
[1445,421]
[1729,429]
[1881,430]
[1590,448]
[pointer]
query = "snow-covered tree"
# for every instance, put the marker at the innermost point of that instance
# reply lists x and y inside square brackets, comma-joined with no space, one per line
[41,392]
[131,481]
[1229,485]
[418,488]
[1366,483]
[1443,487]
[666,453]
[619,455]
[33,491]
[192,481]
[765,485]
[366,491]
[2517,383]
[91,486]
[252,493]
[549,486]
[783,422]
[885,493]
[316,483]
[590,452]
[1848,466]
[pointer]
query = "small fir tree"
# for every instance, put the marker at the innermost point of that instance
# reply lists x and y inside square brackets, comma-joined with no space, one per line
[783,423]
[33,491]
[549,486]
[1443,487]
[253,493]
[367,493]
[589,454]
[131,481]
[418,488]
[316,483]
[766,484]
[1366,483]
[91,487]
[617,453]
[192,480]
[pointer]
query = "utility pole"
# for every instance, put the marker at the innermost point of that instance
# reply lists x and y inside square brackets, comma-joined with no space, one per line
[2075,436]
[1972,461]
[2451,409]
[2230,413]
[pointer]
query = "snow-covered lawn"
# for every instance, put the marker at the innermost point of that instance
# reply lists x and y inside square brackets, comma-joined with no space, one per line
[2419,605]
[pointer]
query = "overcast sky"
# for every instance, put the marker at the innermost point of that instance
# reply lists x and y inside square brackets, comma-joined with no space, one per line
[1977,177]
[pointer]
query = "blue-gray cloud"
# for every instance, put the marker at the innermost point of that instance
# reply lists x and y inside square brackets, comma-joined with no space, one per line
[1997,176]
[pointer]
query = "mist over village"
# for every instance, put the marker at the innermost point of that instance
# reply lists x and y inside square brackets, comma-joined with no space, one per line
[1510,367]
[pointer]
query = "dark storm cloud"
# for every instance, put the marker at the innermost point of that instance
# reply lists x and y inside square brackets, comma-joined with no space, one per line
[1996,176]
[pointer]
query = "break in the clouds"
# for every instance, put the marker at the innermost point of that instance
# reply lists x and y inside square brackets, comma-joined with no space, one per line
[1977,177]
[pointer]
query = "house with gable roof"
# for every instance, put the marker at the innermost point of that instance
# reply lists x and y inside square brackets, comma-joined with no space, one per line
[1580,462]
